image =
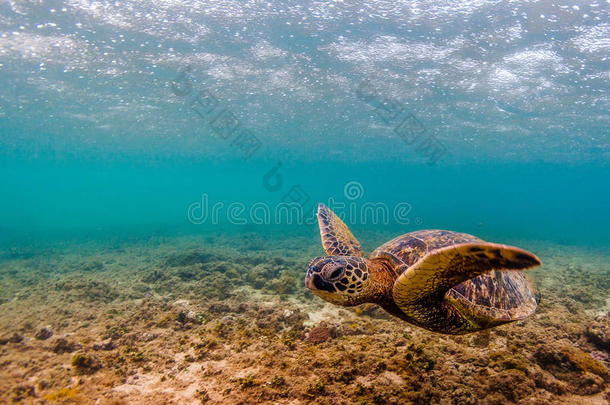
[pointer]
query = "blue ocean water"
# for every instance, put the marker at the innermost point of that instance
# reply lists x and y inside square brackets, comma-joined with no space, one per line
[161,163]
[138,117]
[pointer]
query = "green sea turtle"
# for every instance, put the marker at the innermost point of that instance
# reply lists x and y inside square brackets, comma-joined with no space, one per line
[443,281]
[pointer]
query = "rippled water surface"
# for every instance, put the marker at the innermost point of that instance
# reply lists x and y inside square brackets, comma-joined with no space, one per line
[161,163]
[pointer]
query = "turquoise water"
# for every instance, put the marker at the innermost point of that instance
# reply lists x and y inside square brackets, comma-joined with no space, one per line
[161,163]
[566,204]
[503,107]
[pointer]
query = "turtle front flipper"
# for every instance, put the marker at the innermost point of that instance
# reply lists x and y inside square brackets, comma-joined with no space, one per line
[420,290]
[336,236]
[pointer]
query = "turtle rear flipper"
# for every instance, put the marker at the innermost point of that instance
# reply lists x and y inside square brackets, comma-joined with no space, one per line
[496,297]
[337,239]
[420,290]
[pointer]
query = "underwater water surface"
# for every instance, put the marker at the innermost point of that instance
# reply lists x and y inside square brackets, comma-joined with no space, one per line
[162,162]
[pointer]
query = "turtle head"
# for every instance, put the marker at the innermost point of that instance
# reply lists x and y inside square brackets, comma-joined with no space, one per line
[340,280]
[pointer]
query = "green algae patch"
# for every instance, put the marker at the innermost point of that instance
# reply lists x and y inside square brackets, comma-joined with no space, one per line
[22,392]
[85,363]
[187,339]
[583,361]
[63,394]
[86,289]
[285,284]
[246,382]
[568,358]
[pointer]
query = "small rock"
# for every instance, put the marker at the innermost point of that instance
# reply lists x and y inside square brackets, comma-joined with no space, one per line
[43,385]
[589,384]
[107,344]
[551,384]
[321,333]
[16,338]
[61,345]
[463,395]
[191,316]
[513,384]
[293,318]
[85,363]
[21,392]
[133,380]
[600,356]
[185,317]
[228,319]
[182,303]
[598,333]
[147,336]
[44,333]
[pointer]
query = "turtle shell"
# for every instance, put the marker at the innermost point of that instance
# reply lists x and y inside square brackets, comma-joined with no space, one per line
[490,299]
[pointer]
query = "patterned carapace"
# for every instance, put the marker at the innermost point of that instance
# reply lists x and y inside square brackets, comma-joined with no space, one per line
[443,281]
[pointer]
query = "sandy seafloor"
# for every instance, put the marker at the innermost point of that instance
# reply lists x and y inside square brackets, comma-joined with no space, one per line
[225,319]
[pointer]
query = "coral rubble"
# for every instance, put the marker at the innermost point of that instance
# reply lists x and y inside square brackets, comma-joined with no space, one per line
[197,320]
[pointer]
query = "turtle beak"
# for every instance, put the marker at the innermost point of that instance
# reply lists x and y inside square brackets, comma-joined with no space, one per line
[308,281]
[312,269]
[315,282]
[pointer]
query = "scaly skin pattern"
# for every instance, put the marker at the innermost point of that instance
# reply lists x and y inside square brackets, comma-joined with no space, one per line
[345,280]
[337,239]
[443,281]
[411,247]
[474,297]
[421,290]
[349,281]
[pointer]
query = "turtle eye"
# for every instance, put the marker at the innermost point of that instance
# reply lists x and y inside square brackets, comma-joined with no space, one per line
[337,273]
[333,273]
